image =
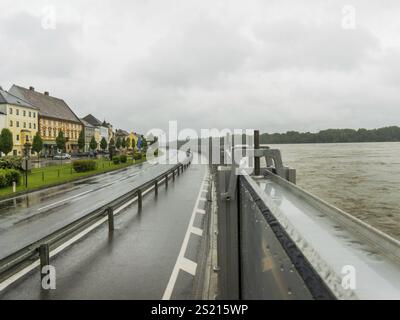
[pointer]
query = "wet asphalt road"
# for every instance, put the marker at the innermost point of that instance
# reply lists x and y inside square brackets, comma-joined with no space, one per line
[137,260]
[27,218]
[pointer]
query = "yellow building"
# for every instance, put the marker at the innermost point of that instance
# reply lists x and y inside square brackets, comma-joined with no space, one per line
[54,116]
[133,137]
[20,117]
[97,136]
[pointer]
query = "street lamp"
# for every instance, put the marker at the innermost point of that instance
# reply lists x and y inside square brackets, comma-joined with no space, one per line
[27,149]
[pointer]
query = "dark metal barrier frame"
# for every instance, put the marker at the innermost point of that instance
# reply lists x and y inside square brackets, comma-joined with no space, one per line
[311,279]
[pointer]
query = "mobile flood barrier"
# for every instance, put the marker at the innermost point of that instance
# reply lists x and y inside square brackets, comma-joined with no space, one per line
[278,241]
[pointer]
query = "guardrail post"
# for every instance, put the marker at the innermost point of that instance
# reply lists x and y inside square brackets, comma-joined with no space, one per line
[228,237]
[44,255]
[166,180]
[173,175]
[210,150]
[256,147]
[110,214]
[139,195]
[179,170]
[156,187]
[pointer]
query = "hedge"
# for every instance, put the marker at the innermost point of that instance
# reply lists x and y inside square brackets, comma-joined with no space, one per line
[123,158]
[116,160]
[137,156]
[11,163]
[8,176]
[84,165]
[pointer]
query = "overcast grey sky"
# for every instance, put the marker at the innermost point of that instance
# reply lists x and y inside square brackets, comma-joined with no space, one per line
[274,65]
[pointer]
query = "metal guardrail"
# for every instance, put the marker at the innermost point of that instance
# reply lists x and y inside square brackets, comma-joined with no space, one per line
[41,249]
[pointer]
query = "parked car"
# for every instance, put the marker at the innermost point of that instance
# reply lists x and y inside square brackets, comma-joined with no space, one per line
[62,156]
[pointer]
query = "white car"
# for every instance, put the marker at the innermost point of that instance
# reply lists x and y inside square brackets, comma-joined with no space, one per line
[62,156]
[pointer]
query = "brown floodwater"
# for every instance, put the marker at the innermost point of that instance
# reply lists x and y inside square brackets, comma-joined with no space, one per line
[362,179]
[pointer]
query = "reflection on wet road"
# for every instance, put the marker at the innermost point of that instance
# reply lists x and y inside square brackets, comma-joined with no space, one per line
[27,218]
[139,259]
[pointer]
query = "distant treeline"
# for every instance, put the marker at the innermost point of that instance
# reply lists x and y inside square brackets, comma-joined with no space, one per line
[334,136]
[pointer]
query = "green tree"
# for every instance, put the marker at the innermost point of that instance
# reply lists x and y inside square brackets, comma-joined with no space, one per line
[123,143]
[93,144]
[119,143]
[37,143]
[111,147]
[103,144]
[81,141]
[144,143]
[127,142]
[60,141]
[6,141]
[112,143]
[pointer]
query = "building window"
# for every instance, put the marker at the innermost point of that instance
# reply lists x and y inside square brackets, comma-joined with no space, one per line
[34,126]
[11,123]
[10,110]
[30,114]
[34,114]
[17,124]
[17,137]
[17,112]
[30,125]
[14,152]
[24,124]
[27,138]
[55,131]
[24,113]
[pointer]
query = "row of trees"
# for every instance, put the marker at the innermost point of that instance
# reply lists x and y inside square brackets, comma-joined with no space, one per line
[120,143]
[6,142]
[334,136]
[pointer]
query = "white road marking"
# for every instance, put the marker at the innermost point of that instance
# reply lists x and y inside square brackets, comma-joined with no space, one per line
[197,231]
[82,194]
[202,211]
[202,199]
[189,266]
[180,262]
[64,200]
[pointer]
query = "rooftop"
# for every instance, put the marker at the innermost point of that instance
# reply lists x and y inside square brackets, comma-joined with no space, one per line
[48,106]
[92,120]
[8,98]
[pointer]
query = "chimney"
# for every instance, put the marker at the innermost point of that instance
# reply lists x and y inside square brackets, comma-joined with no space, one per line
[32,88]
[46,93]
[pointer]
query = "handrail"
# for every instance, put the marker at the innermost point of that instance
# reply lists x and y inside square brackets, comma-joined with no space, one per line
[25,256]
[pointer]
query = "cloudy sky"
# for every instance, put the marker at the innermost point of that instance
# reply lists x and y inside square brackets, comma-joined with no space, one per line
[275,65]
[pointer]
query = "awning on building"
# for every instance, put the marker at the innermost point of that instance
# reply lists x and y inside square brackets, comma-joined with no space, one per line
[49,142]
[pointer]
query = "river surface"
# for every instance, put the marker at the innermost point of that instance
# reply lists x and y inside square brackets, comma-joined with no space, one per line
[361,178]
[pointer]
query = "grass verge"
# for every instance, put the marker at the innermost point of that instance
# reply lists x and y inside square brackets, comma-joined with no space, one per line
[39,178]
